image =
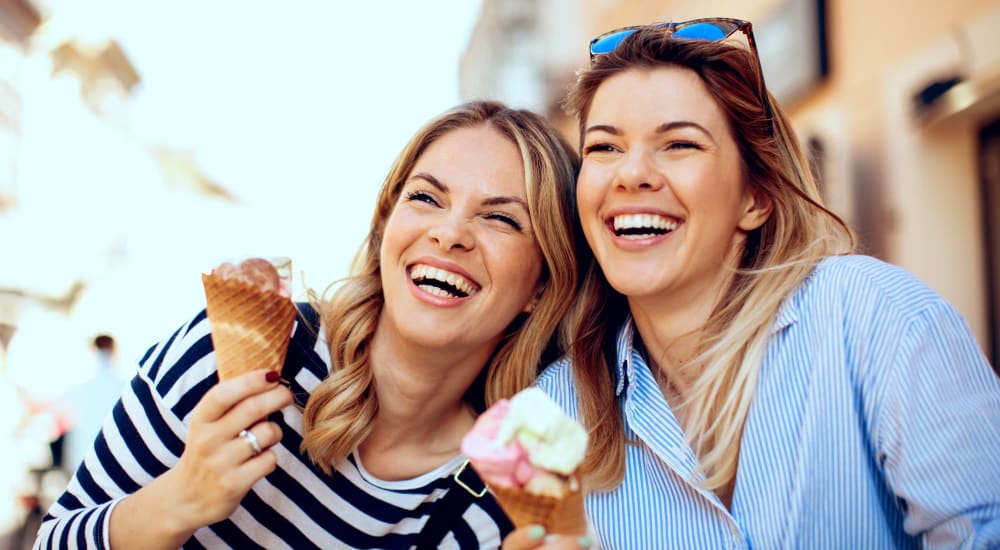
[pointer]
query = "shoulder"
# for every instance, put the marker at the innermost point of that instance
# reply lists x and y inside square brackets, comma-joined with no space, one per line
[868,273]
[182,362]
[867,285]
[558,372]
[557,381]
[181,368]
[875,307]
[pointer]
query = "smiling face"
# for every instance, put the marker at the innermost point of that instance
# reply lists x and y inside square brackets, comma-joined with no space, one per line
[660,193]
[458,258]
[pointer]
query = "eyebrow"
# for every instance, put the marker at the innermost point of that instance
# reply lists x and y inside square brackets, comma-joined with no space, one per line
[491,201]
[662,128]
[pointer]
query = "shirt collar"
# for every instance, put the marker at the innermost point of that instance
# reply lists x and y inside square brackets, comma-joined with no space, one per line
[624,347]
[788,314]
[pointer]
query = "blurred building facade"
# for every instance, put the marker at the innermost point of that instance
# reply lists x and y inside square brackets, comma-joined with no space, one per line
[85,201]
[899,102]
[78,189]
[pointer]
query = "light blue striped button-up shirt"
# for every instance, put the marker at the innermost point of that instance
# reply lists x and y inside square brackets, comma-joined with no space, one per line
[875,424]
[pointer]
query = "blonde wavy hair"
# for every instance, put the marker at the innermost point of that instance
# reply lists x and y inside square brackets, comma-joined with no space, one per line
[339,412]
[777,258]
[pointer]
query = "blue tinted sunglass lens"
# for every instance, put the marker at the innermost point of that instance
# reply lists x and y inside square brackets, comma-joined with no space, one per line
[609,42]
[702,31]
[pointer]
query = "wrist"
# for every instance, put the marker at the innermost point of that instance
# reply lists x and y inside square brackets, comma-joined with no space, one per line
[175,512]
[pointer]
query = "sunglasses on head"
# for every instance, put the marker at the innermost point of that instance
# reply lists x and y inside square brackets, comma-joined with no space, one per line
[711,29]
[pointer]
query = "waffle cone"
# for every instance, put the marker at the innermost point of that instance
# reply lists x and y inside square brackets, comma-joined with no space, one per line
[559,515]
[250,326]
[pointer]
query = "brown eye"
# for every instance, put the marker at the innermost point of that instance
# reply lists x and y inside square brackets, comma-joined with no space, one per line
[598,148]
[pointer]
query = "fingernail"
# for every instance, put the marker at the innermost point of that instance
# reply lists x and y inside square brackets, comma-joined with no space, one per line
[536,532]
[585,542]
[272,376]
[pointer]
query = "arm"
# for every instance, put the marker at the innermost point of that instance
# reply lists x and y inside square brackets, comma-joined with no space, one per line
[938,435]
[140,443]
[213,474]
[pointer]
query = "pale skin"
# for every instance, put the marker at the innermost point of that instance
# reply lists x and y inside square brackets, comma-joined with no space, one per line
[422,417]
[656,145]
[462,213]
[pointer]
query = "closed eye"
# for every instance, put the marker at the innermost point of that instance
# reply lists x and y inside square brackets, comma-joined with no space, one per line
[681,145]
[509,220]
[422,196]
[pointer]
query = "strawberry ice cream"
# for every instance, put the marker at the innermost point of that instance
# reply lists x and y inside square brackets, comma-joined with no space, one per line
[528,452]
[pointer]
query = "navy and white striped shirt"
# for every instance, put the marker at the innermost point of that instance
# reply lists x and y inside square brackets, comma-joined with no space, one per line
[875,424]
[296,506]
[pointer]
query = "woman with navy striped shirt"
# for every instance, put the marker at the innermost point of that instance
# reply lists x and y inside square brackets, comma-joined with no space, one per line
[453,303]
[745,380]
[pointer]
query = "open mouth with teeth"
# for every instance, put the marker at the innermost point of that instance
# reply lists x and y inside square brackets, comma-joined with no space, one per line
[442,283]
[642,226]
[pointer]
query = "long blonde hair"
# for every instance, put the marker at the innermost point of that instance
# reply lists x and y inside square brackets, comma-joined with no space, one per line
[777,257]
[339,412]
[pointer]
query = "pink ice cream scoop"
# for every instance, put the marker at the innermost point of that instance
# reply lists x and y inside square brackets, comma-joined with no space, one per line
[507,465]
[525,439]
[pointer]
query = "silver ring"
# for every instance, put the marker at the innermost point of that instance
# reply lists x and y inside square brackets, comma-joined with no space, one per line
[250,438]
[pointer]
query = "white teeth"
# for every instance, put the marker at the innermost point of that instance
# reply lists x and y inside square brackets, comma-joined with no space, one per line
[437,291]
[422,272]
[632,226]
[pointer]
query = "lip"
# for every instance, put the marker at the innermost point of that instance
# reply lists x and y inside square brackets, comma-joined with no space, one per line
[438,263]
[637,244]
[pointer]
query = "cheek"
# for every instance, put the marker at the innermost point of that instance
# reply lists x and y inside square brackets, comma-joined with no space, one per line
[393,233]
[589,192]
[524,274]
[589,197]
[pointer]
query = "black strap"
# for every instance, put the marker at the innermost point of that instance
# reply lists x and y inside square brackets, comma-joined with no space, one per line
[452,506]
[301,350]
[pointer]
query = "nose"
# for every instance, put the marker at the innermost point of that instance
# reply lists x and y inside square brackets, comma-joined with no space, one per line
[638,172]
[452,232]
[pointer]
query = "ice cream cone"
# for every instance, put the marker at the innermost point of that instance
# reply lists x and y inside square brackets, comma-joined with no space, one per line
[250,326]
[559,515]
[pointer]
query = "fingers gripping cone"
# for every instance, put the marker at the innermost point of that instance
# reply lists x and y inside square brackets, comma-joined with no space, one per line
[250,326]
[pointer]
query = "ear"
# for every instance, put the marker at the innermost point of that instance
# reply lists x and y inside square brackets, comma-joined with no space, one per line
[756,210]
[533,302]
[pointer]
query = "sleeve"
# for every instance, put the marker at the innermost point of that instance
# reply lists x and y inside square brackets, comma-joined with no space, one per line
[939,434]
[142,438]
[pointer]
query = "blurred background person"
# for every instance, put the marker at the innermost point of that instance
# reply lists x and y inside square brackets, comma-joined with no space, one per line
[89,402]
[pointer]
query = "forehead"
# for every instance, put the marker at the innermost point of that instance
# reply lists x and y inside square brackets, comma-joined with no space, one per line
[478,158]
[654,96]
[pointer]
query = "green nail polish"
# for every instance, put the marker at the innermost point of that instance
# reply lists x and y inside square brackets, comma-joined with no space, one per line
[536,532]
[585,542]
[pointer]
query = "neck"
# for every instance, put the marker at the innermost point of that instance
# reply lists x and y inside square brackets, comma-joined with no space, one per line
[671,330]
[421,414]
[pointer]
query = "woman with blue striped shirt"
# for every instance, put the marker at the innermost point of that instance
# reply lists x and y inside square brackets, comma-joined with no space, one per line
[454,301]
[747,382]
